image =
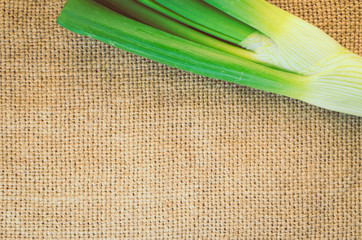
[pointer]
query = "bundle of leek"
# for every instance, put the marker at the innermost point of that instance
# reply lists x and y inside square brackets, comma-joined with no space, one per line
[248,42]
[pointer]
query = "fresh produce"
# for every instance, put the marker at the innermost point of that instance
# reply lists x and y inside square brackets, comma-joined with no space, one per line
[248,42]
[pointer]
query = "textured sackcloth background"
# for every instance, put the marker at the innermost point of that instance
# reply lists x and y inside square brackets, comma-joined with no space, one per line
[97,143]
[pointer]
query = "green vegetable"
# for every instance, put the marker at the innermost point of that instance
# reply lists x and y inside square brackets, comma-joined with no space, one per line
[248,42]
[208,16]
[148,16]
[186,21]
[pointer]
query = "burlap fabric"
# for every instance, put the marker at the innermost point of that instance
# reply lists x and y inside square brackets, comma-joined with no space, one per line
[96,143]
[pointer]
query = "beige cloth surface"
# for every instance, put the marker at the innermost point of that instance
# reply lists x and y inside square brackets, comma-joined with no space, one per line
[96,143]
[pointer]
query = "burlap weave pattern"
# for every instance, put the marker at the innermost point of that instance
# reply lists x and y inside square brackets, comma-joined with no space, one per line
[96,143]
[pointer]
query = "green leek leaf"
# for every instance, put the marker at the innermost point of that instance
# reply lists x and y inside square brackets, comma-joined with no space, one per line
[248,42]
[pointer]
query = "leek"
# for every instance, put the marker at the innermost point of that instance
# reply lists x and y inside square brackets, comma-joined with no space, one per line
[201,13]
[248,42]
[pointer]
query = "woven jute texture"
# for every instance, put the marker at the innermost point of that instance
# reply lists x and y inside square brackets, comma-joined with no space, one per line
[97,143]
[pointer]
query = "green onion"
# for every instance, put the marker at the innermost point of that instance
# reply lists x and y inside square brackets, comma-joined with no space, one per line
[252,43]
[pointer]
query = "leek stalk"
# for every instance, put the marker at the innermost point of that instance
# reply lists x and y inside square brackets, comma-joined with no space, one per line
[248,42]
[148,16]
[188,22]
[208,16]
